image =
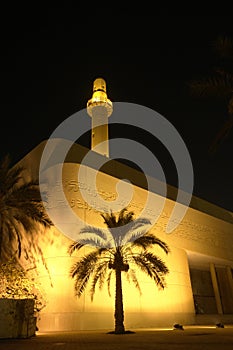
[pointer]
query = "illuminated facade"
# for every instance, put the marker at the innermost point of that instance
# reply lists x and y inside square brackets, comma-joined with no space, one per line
[199,284]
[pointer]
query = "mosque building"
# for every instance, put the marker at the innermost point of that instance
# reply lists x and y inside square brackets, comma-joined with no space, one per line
[199,286]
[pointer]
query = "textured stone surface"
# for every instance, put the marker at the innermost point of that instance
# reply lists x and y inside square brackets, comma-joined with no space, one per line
[17,318]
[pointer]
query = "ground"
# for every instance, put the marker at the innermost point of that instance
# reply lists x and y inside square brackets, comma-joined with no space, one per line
[191,338]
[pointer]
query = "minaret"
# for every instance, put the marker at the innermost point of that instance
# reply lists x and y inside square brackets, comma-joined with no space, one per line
[99,107]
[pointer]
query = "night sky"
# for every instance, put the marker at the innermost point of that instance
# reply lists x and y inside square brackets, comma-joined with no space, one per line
[50,59]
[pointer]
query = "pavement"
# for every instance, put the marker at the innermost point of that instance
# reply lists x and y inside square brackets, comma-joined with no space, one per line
[191,338]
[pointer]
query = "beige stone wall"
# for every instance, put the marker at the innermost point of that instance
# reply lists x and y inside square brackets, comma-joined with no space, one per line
[200,239]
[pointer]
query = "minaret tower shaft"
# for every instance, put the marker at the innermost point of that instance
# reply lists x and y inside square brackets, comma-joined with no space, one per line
[99,108]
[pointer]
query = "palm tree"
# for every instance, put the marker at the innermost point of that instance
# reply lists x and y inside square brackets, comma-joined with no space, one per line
[219,85]
[119,248]
[21,213]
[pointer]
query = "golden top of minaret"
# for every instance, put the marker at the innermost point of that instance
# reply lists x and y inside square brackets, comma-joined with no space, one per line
[99,97]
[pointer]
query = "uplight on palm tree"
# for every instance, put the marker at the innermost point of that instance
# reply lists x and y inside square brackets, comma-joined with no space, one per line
[122,248]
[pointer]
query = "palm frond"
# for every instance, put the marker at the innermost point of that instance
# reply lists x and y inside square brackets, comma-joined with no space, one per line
[149,240]
[4,168]
[82,270]
[5,163]
[223,46]
[217,86]
[153,266]
[99,277]
[123,213]
[9,177]
[131,276]
[11,236]
[30,214]
[14,176]
[80,285]
[109,282]
[112,221]
[94,230]
[140,222]
[27,192]
[94,241]
[22,212]
[109,219]
[123,229]
[19,239]
[131,236]
[222,134]
[125,217]
[74,246]
[91,236]
[135,229]
[227,76]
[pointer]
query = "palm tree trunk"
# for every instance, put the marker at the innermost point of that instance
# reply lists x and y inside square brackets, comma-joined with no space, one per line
[119,311]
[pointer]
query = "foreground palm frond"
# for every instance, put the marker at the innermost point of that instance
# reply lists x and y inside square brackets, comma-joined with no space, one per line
[22,214]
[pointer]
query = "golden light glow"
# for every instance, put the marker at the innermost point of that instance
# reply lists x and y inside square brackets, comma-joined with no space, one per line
[99,98]
[99,107]
[160,308]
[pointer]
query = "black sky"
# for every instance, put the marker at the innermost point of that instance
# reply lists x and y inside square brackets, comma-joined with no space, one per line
[49,61]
